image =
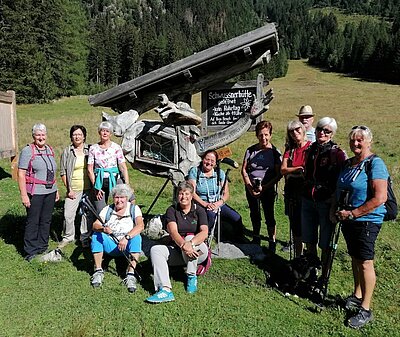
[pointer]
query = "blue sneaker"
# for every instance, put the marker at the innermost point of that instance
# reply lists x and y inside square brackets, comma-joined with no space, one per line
[191,284]
[161,296]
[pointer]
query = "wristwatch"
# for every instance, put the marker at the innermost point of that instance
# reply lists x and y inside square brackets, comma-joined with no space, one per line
[128,237]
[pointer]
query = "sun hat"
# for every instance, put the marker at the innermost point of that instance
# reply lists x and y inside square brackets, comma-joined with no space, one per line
[305,110]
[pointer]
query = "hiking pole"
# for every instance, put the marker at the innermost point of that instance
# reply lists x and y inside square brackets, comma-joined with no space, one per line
[329,263]
[219,209]
[87,204]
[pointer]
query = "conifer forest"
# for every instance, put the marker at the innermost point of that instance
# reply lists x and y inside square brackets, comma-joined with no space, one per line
[55,48]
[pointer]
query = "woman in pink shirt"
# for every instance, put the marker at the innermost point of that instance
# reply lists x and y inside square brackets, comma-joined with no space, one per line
[293,170]
[106,165]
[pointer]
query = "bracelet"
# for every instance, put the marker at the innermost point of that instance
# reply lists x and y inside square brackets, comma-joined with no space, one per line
[193,245]
[181,246]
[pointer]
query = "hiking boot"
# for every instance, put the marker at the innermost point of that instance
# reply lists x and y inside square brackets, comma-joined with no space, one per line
[52,256]
[86,243]
[353,303]
[272,246]
[29,257]
[161,296]
[287,249]
[360,319]
[191,284]
[130,282]
[97,278]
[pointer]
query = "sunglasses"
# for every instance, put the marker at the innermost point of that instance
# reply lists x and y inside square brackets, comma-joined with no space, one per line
[325,131]
[361,127]
[298,129]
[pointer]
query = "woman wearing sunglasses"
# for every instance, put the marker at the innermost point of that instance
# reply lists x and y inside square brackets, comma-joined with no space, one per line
[322,166]
[361,193]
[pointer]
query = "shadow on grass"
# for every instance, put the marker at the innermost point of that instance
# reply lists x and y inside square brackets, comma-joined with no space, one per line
[12,227]
[4,174]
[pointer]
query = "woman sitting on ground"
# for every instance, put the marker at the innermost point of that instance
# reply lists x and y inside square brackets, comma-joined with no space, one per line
[360,197]
[106,165]
[208,182]
[187,227]
[118,236]
[293,170]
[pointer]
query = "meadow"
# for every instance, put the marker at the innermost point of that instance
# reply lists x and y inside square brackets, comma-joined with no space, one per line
[56,299]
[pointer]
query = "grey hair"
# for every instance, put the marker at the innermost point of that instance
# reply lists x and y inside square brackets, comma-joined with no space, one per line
[290,143]
[122,190]
[39,127]
[363,131]
[185,185]
[328,121]
[106,125]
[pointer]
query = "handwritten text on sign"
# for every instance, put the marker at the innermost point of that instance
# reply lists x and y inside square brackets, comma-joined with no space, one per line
[226,106]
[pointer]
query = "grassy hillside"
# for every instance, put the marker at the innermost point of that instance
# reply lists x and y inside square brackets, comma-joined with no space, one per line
[57,299]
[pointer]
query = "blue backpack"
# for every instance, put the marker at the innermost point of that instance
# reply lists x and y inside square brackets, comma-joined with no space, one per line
[391,202]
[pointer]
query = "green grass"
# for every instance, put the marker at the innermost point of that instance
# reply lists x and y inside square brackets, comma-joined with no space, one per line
[57,300]
[343,18]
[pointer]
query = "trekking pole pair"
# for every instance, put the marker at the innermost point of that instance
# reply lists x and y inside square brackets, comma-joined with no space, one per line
[325,277]
[86,205]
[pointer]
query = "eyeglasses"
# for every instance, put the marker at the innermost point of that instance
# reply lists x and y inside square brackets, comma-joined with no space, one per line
[325,131]
[361,127]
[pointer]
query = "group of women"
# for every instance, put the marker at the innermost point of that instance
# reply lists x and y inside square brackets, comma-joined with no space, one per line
[317,175]
[101,165]
[322,187]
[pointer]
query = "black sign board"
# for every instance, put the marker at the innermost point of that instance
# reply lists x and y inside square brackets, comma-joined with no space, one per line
[224,104]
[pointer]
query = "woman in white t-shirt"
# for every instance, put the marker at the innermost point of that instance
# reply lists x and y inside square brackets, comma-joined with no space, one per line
[118,234]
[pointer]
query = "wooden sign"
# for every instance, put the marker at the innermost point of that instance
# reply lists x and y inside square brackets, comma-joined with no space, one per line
[226,103]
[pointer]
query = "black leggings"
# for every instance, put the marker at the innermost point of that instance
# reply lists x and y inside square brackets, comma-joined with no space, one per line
[267,200]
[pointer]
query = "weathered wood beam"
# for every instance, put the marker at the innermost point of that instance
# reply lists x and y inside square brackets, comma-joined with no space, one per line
[193,73]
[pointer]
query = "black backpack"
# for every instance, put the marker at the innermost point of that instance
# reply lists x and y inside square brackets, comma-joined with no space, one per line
[391,202]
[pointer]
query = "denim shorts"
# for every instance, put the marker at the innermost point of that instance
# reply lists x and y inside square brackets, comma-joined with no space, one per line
[360,238]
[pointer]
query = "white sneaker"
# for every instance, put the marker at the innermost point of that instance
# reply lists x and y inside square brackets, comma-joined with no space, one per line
[130,282]
[64,243]
[97,278]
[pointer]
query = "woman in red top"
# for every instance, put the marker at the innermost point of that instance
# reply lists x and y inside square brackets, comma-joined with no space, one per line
[293,170]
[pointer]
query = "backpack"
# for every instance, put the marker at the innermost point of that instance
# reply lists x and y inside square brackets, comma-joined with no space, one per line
[203,267]
[111,208]
[30,179]
[218,172]
[391,202]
